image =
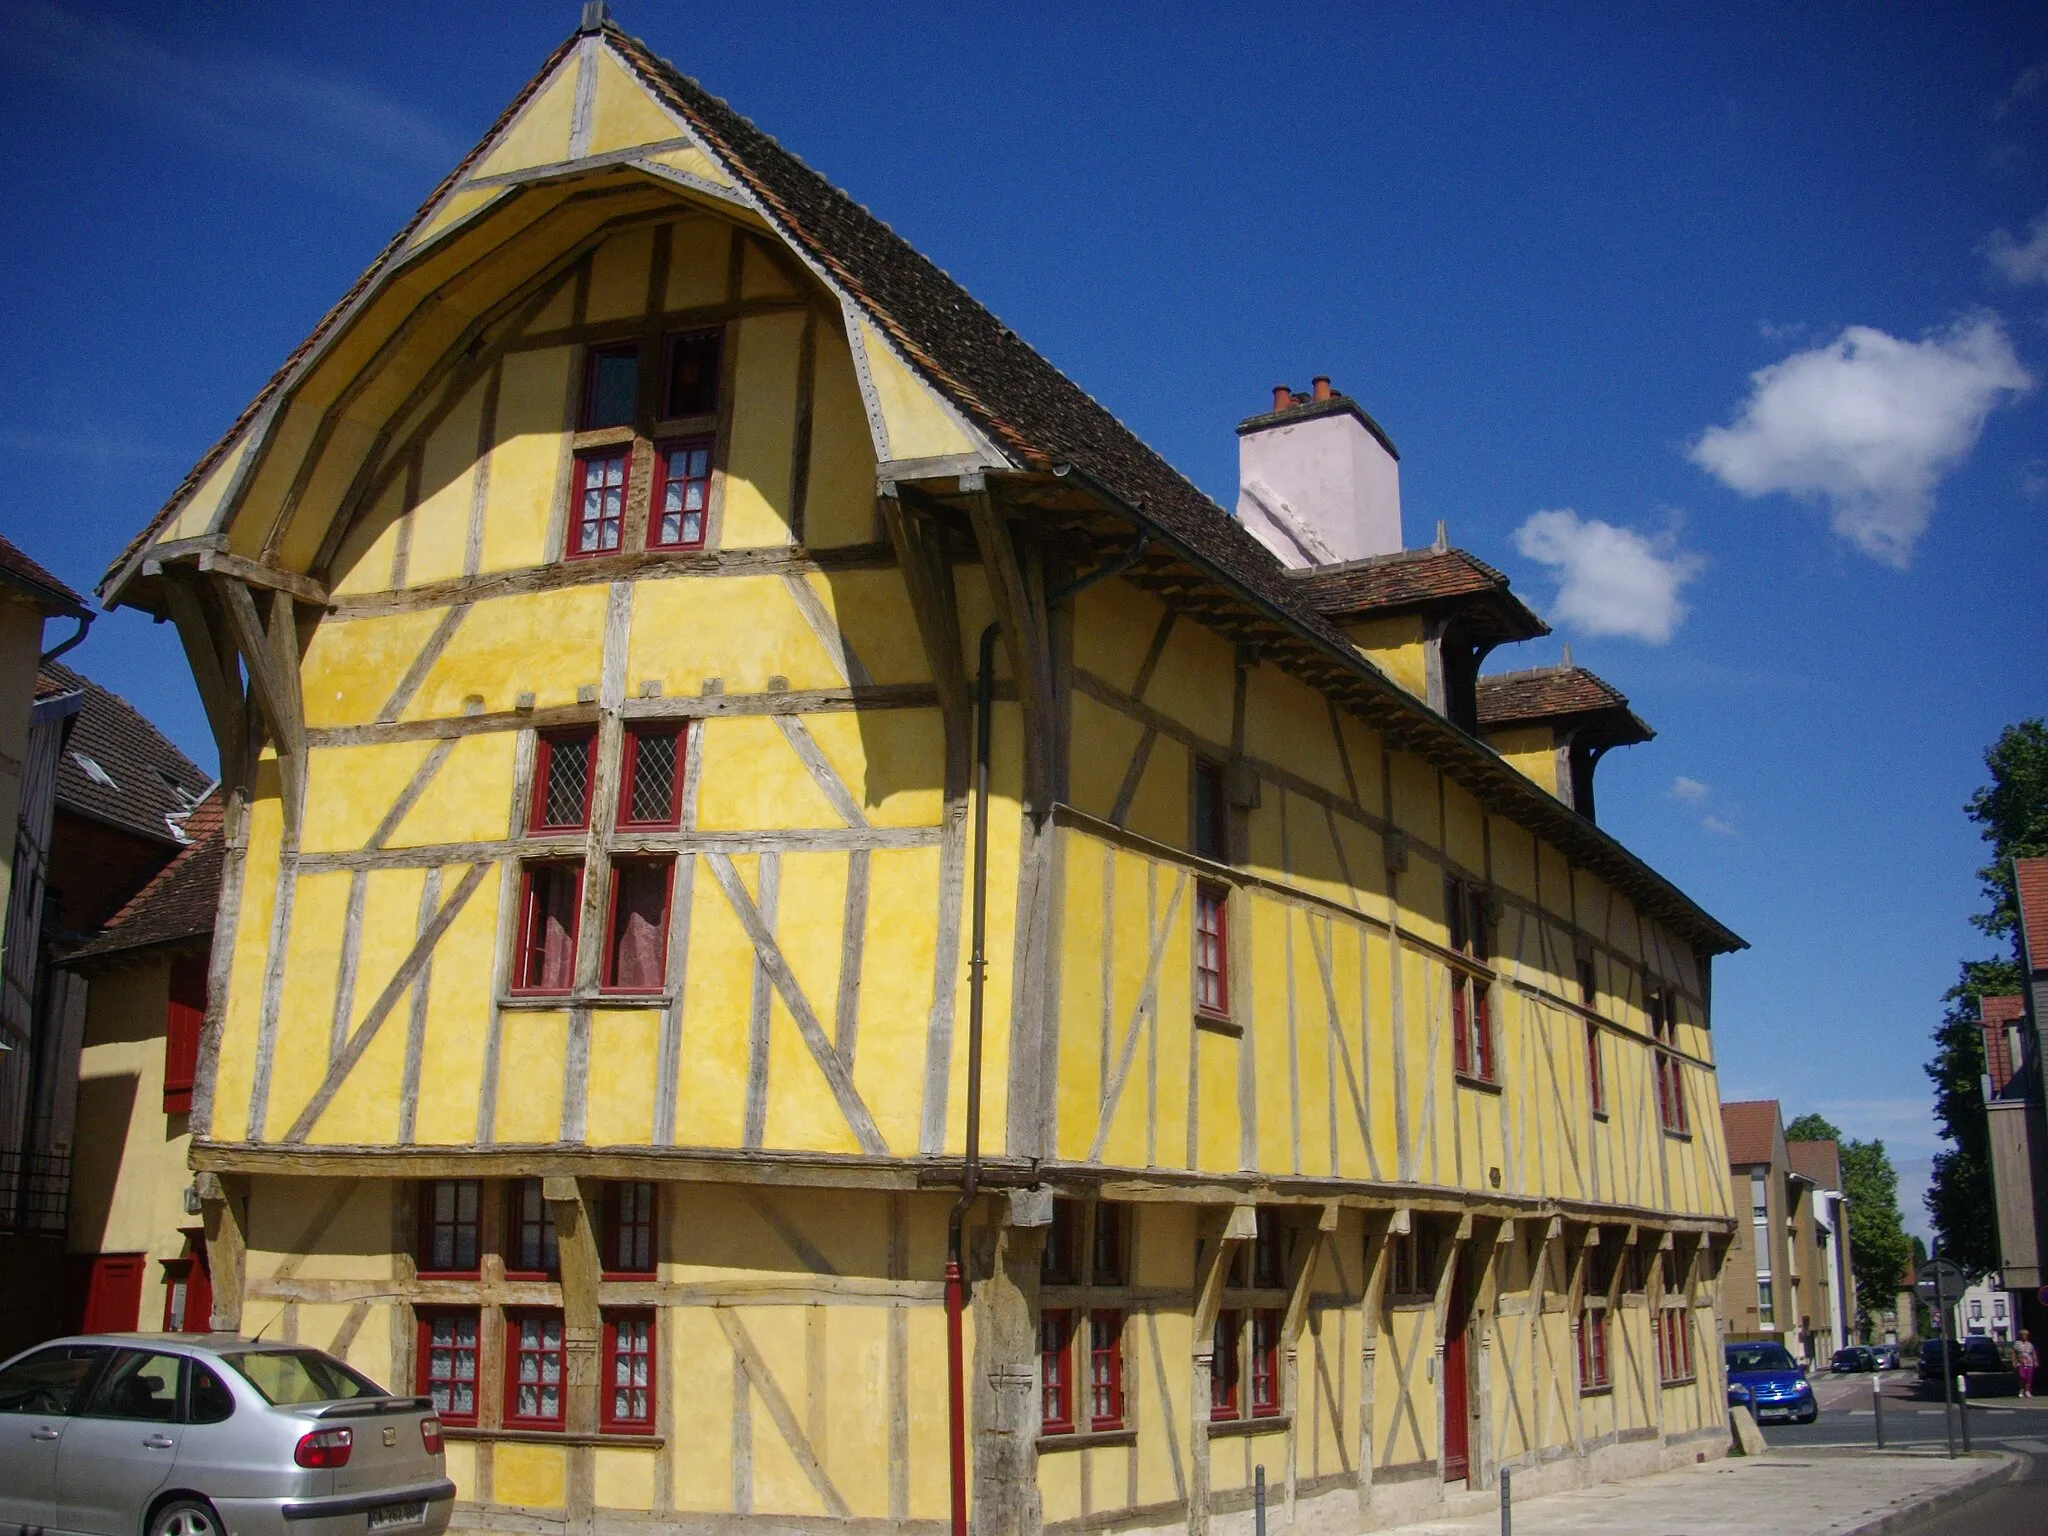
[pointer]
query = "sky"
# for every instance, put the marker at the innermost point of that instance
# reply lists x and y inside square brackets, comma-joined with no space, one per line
[1722,330]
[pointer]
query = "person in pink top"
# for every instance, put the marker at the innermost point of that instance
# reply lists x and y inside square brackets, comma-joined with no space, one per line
[2026,1357]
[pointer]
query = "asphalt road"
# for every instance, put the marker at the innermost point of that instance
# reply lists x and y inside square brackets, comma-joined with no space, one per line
[2018,1508]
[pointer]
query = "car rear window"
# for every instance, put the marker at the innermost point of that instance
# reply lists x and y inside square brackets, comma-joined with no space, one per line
[1759,1357]
[287,1377]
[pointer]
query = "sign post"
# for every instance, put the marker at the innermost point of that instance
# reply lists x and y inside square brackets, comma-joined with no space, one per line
[1937,1281]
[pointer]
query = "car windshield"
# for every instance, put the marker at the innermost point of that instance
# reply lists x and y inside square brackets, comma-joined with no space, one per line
[287,1377]
[1759,1357]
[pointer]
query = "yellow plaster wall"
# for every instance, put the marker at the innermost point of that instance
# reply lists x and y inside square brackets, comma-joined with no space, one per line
[1531,750]
[757,474]
[1397,647]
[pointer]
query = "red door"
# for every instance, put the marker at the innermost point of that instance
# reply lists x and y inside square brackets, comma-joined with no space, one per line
[1457,1393]
[113,1293]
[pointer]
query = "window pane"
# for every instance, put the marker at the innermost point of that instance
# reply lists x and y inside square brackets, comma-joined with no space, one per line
[48,1381]
[549,956]
[693,374]
[1209,803]
[1212,986]
[535,1247]
[685,493]
[632,1248]
[451,1206]
[631,1378]
[601,503]
[562,797]
[290,1376]
[651,796]
[633,954]
[614,381]
[537,1367]
[451,1363]
[138,1385]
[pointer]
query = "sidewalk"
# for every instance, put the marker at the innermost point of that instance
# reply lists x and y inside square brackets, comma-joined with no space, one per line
[1787,1493]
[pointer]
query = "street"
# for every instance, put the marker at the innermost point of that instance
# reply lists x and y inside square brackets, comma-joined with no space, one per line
[2018,1508]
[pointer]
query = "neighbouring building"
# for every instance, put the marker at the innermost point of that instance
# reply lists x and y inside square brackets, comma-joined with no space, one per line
[33,725]
[1986,1308]
[2016,1110]
[1819,1164]
[593,615]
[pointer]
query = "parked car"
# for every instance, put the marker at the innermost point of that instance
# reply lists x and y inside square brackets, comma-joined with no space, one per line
[1887,1356]
[1852,1360]
[1975,1355]
[176,1435]
[1776,1383]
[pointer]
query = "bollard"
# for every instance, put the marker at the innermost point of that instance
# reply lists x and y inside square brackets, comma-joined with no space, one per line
[1877,1407]
[1507,1502]
[1259,1500]
[1963,1408]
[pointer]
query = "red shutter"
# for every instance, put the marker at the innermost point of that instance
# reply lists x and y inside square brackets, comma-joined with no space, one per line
[184,1014]
[113,1293]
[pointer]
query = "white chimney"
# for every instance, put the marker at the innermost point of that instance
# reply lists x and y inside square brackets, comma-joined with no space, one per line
[1318,482]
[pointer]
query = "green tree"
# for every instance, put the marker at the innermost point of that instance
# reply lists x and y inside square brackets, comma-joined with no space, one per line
[2011,813]
[1879,1249]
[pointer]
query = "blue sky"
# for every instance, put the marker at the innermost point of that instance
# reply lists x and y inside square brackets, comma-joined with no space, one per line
[1757,295]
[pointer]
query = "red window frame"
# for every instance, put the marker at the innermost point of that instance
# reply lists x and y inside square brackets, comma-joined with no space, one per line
[1224,1366]
[574,545]
[1105,1370]
[1056,1372]
[530,1225]
[1592,1341]
[1674,1343]
[529,964]
[670,406]
[630,1350]
[586,418]
[609,971]
[1266,1383]
[658,509]
[547,747]
[1211,811]
[456,1224]
[1410,1264]
[629,770]
[184,1016]
[631,1225]
[445,1374]
[1212,951]
[1671,1113]
[522,1347]
[1596,1081]
[1108,1259]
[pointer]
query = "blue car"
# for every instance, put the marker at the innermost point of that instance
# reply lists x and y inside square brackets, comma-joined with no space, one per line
[1771,1383]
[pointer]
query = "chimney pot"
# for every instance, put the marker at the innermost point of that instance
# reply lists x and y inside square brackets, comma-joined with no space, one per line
[1321,386]
[1283,397]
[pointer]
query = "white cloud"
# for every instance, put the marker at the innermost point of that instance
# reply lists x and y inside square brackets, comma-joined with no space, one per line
[2021,261]
[1868,423]
[338,130]
[1610,581]
[1691,791]
[1716,824]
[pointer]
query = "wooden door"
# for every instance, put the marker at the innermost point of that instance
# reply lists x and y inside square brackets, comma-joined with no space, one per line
[1457,1385]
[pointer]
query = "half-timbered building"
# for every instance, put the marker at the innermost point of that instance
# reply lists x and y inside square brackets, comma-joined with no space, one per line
[616,990]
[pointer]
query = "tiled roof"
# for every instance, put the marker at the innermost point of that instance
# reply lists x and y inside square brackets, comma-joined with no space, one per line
[1043,422]
[119,768]
[178,904]
[1820,1161]
[2031,875]
[1411,578]
[1751,1128]
[17,570]
[1543,693]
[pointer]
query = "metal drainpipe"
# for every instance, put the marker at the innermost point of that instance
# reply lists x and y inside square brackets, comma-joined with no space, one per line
[977,969]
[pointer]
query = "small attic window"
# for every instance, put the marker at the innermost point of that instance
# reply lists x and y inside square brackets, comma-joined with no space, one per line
[93,770]
[178,792]
[692,384]
[612,388]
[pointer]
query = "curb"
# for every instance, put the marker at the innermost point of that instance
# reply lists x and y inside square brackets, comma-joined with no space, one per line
[2007,1466]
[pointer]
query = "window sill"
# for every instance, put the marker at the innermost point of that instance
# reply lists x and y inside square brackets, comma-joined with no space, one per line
[1606,1389]
[1676,1134]
[1678,1381]
[530,1436]
[1600,1114]
[1253,1426]
[1217,1024]
[525,1001]
[1082,1440]
[1483,1084]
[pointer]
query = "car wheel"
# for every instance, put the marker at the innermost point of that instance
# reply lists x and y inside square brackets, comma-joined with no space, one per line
[186,1517]
[1807,1417]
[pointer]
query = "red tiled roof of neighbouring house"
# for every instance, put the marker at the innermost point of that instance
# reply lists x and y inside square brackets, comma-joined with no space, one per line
[1819,1161]
[17,570]
[1751,1129]
[1550,693]
[178,904]
[1997,1013]
[2031,876]
[117,767]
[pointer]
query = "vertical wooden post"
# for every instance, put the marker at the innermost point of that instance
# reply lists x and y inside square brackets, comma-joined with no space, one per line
[1003,1406]
[1238,1228]
[1378,1226]
[224,1210]
[582,1269]
[1299,1284]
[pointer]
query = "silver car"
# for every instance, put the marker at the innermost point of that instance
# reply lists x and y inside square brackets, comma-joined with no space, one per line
[212,1435]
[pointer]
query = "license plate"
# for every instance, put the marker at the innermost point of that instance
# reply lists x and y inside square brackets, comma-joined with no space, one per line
[387,1515]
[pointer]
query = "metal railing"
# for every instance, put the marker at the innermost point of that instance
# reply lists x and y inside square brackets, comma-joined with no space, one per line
[35,1192]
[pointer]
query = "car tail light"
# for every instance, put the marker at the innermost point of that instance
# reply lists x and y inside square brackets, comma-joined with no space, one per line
[325,1448]
[430,1436]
